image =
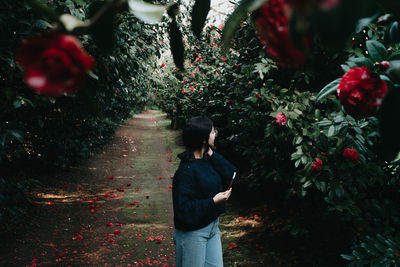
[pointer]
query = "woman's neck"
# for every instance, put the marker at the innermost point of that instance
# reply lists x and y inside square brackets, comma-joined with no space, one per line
[198,154]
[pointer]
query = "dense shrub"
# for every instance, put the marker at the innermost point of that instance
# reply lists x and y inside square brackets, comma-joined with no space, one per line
[321,166]
[40,132]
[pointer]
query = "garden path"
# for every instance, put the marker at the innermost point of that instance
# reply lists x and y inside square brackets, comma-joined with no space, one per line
[113,210]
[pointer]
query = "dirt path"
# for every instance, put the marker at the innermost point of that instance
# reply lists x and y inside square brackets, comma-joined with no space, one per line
[114,210]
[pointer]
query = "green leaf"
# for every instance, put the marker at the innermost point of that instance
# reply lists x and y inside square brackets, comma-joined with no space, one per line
[331,131]
[102,30]
[94,76]
[17,103]
[394,71]
[239,14]
[199,16]
[328,89]
[324,123]
[42,10]
[41,24]
[299,140]
[394,32]
[17,135]
[376,50]
[147,12]
[3,139]
[361,61]
[365,21]
[389,115]
[176,44]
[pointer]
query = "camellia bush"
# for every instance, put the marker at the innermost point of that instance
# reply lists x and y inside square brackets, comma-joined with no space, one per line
[324,158]
[63,96]
[305,93]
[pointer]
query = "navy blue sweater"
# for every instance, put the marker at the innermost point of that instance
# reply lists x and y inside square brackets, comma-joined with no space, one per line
[195,184]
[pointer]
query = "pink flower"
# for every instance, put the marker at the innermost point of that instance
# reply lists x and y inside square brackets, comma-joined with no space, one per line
[281,119]
[361,94]
[317,165]
[351,154]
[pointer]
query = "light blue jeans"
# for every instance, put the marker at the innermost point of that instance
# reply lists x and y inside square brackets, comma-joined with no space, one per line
[199,248]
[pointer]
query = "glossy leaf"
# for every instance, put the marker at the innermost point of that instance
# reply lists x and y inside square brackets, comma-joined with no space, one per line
[176,43]
[389,115]
[328,89]
[376,50]
[102,30]
[394,32]
[199,16]
[394,71]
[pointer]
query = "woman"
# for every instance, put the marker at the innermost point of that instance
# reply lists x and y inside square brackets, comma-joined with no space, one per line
[199,197]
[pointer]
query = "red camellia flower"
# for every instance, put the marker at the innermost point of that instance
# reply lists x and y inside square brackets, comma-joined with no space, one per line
[54,64]
[272,25]
[281,119]
[361,94]
[351,154]
[317,165]
[232,246]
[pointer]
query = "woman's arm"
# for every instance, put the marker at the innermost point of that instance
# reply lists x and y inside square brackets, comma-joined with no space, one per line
[187,208]
[222,166]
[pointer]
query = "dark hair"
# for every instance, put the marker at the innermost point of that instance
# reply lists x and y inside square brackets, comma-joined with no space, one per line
[196,131]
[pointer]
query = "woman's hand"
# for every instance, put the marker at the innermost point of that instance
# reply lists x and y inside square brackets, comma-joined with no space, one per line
[209,152]
[222,196]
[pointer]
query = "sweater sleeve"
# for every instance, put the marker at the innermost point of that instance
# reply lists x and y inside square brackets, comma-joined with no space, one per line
[223,167]
[187,209]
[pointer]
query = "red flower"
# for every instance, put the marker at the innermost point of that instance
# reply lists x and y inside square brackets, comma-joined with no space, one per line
[162,65]
[359,93]
[317,165]
[384,65]
[78,237]
[272,25]
[351,154]
[54,64]
[280,119]
[232,246]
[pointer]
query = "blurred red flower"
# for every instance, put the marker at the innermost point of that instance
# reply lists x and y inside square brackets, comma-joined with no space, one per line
[232,246]
[361,94]
[54,64]
[272,25]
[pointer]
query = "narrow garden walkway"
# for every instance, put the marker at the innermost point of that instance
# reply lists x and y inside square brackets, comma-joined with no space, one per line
[113,210]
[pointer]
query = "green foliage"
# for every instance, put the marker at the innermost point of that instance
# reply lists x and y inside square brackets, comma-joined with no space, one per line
[243,91]
[376,251]
[39,132]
